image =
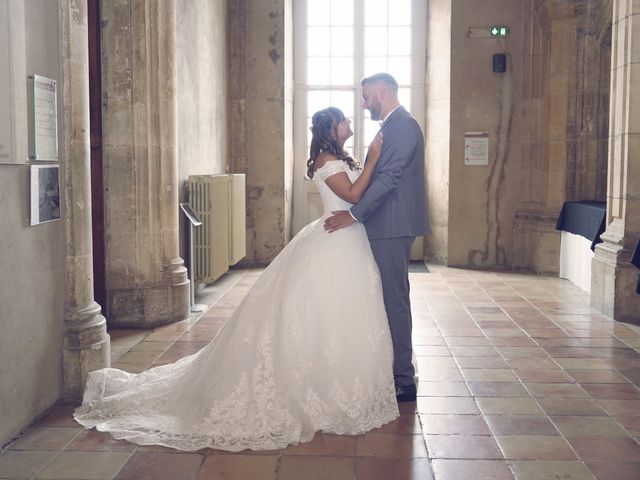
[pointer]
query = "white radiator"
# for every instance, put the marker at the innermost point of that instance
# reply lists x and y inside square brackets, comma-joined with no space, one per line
[219,201]
[237,218]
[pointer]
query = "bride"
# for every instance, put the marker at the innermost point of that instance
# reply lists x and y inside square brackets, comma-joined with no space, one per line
[307,350]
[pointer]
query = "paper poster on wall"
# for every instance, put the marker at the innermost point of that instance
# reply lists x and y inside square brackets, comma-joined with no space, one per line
[45,194]
[45,119]
[476,148]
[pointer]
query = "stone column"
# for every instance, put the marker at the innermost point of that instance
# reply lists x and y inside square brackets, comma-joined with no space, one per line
[438,129]
[174,272]
[86,343]
[613,278]
[147,282]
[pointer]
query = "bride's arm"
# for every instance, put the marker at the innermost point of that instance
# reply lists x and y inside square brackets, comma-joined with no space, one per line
[352,192]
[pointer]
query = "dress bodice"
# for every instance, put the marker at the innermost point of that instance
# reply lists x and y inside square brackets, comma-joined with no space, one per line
[330,200]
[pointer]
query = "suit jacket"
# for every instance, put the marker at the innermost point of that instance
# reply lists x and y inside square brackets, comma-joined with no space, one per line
[395,204]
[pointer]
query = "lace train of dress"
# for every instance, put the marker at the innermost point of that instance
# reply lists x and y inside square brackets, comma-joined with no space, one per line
[307,350]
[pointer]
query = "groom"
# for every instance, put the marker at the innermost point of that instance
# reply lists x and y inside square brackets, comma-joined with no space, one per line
[394,212]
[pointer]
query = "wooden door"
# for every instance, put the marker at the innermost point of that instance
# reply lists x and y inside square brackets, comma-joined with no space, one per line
[97,188]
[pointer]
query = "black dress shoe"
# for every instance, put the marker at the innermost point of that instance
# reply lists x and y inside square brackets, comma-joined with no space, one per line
[406,393]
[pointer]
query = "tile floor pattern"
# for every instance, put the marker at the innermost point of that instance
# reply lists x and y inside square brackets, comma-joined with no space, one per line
[519,378]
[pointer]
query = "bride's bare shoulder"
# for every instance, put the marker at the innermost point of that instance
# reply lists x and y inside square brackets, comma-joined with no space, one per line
[321,159]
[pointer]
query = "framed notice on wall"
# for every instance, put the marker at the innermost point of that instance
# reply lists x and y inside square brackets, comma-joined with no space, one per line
[45,120]
[45,194]
[476,148]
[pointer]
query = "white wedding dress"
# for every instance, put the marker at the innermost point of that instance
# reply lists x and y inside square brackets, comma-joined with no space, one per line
[308,350]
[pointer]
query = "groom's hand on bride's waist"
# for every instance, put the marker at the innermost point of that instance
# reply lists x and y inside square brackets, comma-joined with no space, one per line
[339,219]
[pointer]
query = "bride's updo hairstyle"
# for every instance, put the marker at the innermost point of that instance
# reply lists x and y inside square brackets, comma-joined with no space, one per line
[324,130]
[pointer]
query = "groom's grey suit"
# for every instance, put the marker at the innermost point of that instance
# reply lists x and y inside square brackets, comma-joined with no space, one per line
[394,212]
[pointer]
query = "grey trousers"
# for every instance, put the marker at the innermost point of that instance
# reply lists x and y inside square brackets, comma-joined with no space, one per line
[392,256]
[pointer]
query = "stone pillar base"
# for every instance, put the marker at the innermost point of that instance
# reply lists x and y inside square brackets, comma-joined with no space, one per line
[87,348]
[536,243]
[613,283]
[148,307]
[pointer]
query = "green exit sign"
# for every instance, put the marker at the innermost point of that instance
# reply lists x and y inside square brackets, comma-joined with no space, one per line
[499,31]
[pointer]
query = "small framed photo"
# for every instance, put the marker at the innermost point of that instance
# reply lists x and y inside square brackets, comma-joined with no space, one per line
[45,194]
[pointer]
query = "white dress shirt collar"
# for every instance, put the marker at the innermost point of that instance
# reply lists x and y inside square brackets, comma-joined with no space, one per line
[389,114]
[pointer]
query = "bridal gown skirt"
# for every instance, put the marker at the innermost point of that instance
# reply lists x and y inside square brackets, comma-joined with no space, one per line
[308,350]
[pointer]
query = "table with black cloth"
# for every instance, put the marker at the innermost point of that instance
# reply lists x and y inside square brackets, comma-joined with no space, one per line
[635,259]
[584,218]
[581,223]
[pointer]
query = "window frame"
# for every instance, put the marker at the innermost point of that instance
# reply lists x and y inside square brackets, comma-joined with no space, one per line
[300,114]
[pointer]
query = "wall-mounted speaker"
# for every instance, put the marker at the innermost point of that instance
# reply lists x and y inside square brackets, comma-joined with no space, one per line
[499,63]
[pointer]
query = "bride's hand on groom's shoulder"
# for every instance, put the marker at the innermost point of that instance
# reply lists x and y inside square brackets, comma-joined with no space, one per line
[339,219]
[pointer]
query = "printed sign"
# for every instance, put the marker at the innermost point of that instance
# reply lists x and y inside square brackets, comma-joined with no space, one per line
[476,148]
[45,119]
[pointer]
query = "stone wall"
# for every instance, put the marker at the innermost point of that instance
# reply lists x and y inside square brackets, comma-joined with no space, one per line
[483,199]
[472,207]
[32,272]
[566,85]
[202,74]
[201,50]
[260,142]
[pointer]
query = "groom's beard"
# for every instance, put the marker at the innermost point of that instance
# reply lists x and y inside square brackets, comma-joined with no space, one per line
[375,112]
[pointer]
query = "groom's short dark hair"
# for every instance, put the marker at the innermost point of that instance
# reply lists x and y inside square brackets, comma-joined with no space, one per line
[381,77]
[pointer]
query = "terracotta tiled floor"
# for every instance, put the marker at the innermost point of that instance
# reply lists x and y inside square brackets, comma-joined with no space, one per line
[519,378]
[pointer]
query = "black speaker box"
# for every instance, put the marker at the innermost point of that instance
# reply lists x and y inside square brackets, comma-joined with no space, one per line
[499,63]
